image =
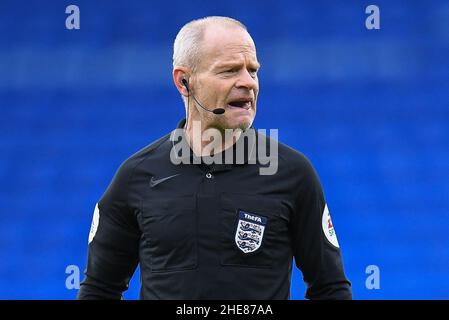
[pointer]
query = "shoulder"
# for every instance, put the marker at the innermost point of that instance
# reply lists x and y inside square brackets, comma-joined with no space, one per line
[296,167]
[299,170]
[118,189]
[128,166]
[294,159]
[289,159]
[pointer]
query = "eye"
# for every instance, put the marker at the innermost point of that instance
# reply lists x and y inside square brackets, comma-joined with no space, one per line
[229,71]
[253,72]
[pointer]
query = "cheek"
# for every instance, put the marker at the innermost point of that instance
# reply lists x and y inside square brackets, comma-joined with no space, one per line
[219,94]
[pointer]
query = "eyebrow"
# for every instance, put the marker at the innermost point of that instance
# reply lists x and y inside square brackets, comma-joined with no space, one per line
[233,64]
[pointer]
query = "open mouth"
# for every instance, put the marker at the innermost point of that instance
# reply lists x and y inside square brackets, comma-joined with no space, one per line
[244,104]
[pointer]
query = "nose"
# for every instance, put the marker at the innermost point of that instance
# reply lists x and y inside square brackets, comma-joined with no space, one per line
[245,80]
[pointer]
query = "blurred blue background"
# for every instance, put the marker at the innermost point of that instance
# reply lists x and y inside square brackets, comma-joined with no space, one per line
[370,108]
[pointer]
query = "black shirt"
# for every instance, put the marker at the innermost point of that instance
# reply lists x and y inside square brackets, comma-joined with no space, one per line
[217,231]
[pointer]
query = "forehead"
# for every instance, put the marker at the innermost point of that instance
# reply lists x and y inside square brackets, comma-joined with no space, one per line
[227,44]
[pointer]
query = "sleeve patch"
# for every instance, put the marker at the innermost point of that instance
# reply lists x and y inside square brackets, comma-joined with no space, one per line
[94,226]
[328,228]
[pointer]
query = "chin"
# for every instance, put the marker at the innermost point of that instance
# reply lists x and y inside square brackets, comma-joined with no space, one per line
[236,122]
[243,125]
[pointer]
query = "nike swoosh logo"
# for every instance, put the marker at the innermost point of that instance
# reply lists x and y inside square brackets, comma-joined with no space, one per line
[154,182]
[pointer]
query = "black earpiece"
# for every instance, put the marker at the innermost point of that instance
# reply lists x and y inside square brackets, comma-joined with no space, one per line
[186,84]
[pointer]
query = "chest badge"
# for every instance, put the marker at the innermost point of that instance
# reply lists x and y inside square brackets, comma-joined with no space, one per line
[250,230]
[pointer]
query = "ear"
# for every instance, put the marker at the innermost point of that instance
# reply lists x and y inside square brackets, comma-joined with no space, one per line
[180,73]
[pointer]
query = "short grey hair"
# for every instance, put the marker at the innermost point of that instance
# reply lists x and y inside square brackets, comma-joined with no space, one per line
[187,45]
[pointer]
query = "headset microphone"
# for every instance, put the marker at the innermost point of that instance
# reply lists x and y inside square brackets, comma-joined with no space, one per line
[215,111]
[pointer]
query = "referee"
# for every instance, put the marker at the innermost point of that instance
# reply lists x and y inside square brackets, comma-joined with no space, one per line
[212,218]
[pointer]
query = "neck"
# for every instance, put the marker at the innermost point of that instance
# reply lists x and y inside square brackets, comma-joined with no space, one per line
[207,140]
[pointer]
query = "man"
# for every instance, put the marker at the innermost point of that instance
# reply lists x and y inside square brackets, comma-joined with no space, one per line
[220,229]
